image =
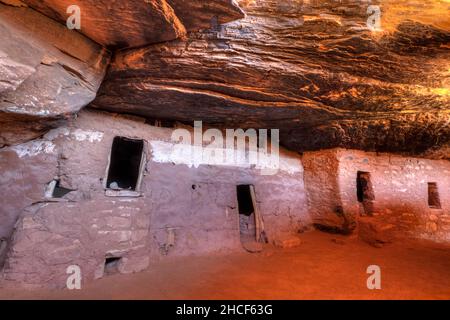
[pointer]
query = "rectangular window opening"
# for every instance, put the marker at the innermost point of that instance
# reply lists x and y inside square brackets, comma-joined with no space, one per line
[434,200]
[126,164]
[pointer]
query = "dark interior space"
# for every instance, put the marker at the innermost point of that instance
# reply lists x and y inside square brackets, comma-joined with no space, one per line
[247,217]
[124,169]
[364,189]
[111,265]
[128,159]
[60,192]
[434,200]
[245,203]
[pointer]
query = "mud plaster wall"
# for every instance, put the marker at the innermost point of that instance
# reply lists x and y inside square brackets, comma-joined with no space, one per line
[325,205]
[182,211]
[400,185]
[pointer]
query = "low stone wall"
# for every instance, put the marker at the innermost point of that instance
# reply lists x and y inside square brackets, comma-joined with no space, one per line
[51,237]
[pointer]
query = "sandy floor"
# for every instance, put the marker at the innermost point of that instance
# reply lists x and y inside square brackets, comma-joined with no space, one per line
[318,269]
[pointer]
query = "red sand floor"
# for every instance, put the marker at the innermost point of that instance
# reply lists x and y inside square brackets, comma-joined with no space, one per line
[318,269]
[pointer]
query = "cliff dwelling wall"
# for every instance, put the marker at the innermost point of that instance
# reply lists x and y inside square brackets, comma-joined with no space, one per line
[325,205]
[399,197]
[179,209]
[65,212]
[400,193]
[25,170]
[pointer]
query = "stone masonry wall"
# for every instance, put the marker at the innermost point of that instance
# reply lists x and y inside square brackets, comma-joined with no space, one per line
[182,210]
[25,170]
[187,210]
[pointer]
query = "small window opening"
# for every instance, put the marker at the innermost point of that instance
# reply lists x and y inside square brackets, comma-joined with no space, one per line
[55,190]
[59,191]
[433,196]
[125,164]
[111,265]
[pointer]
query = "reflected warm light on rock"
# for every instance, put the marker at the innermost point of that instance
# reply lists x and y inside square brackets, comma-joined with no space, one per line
[170,147]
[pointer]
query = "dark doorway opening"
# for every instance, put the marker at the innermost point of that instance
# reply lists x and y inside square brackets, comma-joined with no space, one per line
[247,217]
[364,191]
[434,200]
[54,190]
[125,164]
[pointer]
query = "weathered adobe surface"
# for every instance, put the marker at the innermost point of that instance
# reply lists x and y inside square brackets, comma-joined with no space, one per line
[312,69]
[196,213]
[399,184]
[47,73]
[140,22]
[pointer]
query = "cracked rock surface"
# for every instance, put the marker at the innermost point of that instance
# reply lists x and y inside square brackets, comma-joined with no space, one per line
[310,68]
[48,73]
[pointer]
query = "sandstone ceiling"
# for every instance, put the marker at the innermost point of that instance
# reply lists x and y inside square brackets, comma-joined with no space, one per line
[139,22]
[47,73]
[312,69]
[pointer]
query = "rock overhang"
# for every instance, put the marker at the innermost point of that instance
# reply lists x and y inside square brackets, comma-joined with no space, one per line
[313,69]
[318,73]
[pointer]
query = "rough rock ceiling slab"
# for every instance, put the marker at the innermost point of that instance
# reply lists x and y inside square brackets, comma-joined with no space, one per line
[47,73]
[124,23]
[198,14]
[311,68]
